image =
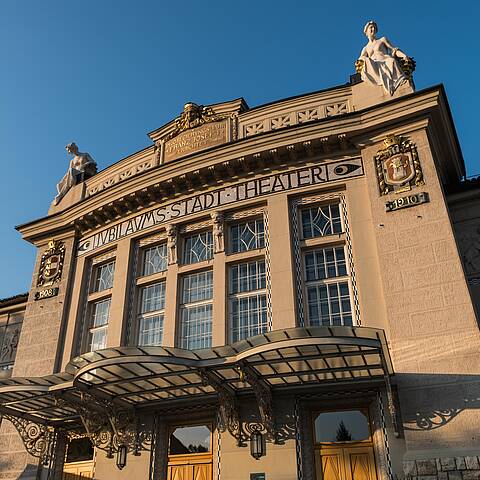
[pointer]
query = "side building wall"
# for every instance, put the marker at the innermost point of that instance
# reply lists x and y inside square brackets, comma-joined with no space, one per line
[37,355]
[433,331]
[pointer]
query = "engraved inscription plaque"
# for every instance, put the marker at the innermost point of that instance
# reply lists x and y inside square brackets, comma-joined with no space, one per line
[196,139]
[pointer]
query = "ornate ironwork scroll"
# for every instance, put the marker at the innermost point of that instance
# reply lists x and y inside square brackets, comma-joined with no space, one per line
[229,417]
[37,438]
[264,398]
[108,427]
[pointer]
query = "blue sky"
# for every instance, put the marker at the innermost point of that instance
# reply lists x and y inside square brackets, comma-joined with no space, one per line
[103,73]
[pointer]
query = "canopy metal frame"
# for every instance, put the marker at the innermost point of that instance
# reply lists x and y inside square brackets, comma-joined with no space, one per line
[108,393]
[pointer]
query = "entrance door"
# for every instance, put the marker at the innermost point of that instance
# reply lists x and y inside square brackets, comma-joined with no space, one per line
[190,453]
[343,446]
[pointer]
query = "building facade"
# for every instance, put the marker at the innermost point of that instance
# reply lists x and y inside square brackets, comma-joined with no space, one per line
[279,292]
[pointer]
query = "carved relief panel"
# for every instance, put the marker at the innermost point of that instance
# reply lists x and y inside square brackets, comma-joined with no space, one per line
[51,264]
[398,166]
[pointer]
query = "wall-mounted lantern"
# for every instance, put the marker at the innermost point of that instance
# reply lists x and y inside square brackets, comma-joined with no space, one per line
[121,456]
[257,445]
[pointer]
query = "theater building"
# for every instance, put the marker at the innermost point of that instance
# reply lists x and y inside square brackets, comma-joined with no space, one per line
[285,291]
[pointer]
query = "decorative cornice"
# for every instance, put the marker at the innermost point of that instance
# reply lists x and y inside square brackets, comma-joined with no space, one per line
[210,176]
[212,167]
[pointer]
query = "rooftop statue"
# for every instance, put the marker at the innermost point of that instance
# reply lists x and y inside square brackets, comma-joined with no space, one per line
[81,167]
[380,63]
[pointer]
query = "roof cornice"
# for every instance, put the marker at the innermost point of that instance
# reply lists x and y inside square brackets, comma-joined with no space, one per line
[275,150]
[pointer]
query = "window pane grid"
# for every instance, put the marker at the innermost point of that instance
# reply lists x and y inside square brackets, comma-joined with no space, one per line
[246,277]
[198,287]
[196,311]
[104,276]
[155,259]
[100,313]
[150,320]
[150,329]
[247,236]
[197,327]
[328,294]
[98,339]
[320,221]
[248,316]
[198,247]
[325,263]
[329,304]
[248,300]
[153,298]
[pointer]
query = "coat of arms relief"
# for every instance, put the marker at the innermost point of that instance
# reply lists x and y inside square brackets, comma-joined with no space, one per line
[397,165]
[51,264]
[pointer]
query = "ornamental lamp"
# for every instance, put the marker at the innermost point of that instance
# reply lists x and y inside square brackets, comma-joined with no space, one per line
[257,445]
[121,456]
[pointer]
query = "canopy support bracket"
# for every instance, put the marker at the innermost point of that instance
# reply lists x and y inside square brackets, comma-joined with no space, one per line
[263,394]
[37,438]
[107,426]
[229,416]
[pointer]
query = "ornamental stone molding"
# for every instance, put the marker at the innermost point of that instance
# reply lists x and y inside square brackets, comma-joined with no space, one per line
[123,175]
[292,118]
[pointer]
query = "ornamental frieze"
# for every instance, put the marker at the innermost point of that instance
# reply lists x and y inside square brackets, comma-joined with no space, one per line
[210,201]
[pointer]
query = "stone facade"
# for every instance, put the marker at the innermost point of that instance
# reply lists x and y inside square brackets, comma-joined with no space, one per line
[404,272]
[443,468]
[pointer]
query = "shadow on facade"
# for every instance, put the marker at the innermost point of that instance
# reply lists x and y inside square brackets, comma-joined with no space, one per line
[431,401]
[29,472]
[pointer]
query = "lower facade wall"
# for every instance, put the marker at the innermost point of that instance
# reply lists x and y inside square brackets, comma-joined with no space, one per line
[443,468]
[15,462]
[292,457]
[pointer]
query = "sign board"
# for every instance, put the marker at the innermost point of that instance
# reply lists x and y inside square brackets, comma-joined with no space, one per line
[257,476]
[197,139]
[47,293]
[258,187]
[407,201]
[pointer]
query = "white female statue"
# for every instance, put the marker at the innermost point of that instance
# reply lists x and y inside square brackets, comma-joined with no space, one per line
[81,167]
[378,61]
